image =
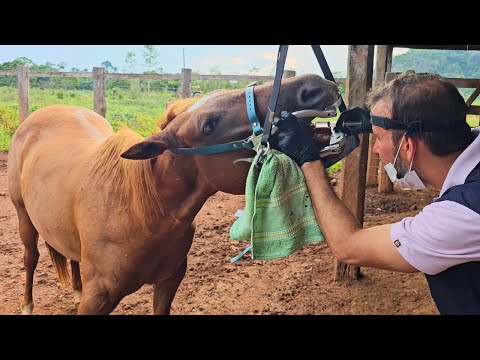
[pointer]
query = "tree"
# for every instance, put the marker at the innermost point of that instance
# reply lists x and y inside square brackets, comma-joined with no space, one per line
[215,71]
[150,56]
[20,61]
[62,65]
[130,67]
[12,65]
[108,66]
[254,71]
[130,62]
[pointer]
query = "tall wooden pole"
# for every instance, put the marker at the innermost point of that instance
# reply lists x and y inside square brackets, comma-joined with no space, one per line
[99,102]
[23,93]
[384,64]
[354,166]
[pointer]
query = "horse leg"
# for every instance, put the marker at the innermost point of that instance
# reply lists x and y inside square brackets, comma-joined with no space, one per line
[165,291]
[97,299]
[76,282]
[29,237]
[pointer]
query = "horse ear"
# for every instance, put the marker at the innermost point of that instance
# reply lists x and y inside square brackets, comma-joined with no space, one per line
[174,110]
[145,150]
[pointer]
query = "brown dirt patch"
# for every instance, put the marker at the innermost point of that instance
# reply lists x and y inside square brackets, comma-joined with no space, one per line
[299,284]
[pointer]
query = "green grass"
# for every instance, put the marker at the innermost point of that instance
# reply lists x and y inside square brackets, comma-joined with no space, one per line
[335,168]
[139,111]
[472,120]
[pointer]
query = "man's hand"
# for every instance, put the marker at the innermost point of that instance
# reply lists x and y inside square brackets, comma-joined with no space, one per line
[293,139]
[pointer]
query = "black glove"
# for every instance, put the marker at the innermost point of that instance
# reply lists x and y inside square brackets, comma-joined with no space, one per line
[294,140]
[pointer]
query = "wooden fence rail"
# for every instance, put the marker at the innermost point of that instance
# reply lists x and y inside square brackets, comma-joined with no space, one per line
[459,83]
[99,77]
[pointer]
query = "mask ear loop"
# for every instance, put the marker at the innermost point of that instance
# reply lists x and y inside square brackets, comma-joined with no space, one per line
[398,151]
[411,163]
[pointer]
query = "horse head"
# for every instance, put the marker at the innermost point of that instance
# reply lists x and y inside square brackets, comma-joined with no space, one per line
[221,117]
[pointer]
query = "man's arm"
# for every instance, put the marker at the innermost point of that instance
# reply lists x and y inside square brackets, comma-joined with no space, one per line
[350,243]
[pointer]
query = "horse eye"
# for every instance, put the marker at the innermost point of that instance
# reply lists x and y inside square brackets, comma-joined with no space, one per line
[208,127]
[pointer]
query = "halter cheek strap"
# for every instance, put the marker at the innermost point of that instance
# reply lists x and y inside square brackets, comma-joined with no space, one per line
[252,116]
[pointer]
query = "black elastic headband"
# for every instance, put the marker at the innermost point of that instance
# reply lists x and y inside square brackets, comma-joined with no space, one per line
[411,128]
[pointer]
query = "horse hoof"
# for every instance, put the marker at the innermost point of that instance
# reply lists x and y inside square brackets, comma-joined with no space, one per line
[77,296]
[27,309]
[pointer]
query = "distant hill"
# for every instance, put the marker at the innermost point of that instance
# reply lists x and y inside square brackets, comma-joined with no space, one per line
[448,63]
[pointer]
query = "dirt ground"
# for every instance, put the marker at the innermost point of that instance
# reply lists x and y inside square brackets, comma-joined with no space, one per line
[301,283]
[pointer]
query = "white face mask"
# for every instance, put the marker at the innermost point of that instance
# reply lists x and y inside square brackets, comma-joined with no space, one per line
[410,180]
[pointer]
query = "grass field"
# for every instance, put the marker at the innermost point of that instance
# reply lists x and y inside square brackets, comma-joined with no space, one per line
[139,111]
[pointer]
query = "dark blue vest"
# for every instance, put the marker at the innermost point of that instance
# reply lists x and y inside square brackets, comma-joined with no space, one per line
[457,289]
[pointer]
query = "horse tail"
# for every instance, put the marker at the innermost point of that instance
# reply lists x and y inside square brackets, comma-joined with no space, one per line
[60,263]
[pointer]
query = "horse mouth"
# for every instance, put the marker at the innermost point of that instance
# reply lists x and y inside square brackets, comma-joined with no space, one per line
[307,115]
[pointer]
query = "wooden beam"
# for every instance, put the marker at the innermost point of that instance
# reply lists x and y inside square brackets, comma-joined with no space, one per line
[354,166]
[383,65]
[458,82]
[372,165]
[50,74]
[383,181]
[186,82]
[23,93]
[472,97]
[464,83]
[474,110]
[441,47]
[9,72]
[385,185]
[152,76]
[99,103]
[145,76]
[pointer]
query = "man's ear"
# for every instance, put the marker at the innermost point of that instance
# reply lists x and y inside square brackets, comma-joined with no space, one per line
[147,149]
[410,147]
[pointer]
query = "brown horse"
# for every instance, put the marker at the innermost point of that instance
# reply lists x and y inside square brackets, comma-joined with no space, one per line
[130,222]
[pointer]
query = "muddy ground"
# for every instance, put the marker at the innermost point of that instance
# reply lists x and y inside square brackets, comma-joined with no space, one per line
[299,284]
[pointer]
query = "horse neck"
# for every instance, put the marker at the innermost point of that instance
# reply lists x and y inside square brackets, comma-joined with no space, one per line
[183,192]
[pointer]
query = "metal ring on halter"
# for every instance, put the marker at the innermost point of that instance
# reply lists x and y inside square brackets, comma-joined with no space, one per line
[261,153]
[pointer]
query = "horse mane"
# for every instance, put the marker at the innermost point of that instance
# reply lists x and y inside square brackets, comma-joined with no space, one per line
[132,179]
[174,109]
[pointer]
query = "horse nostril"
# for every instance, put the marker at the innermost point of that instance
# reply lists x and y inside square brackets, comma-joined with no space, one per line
[303,95]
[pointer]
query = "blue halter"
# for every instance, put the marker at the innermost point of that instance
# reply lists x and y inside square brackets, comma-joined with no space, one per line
[234,145]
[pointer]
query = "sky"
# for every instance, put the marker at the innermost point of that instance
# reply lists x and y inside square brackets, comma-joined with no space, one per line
[228,59]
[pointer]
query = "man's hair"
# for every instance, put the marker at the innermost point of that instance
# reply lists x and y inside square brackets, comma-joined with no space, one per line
[433,100]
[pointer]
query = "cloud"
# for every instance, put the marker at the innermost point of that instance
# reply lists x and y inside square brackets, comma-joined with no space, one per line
[399,51]
[300,58]
[238,60]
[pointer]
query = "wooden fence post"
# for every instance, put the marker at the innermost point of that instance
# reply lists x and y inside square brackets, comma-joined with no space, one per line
[99,103]
[23,93]
[186,83]
[372,166]
[384,65]
[288,74]
[354,166]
